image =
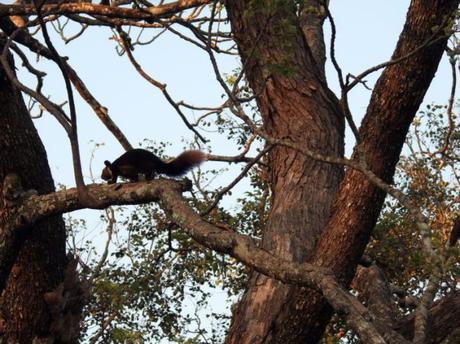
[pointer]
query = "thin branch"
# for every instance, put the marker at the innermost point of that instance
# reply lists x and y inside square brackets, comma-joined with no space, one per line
[431,40]
[237,158]
[243,173]
[73,134]
[209,48]
[110,215]
[23,37]
[160,86]
[450,105]
[51,107]
[344,91]
[225,158]
[25,62]
[332,45]
[60,31]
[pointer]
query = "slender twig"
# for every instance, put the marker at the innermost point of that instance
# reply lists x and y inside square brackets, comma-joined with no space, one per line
[200,35]
[23,37]
[344,92]
[110,215]
[51,107]
[431,40]
[209,48]
[225,158]
[185,38]
[149,41]
[332,45]
[160,86]
[450,105]
[73,135]
[230,186]
[25,62]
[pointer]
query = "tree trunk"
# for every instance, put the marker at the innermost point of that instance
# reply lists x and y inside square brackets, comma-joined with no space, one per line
[270,312]
[296,105]
[39,264]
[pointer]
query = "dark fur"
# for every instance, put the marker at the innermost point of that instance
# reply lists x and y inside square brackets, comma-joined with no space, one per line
[140,161]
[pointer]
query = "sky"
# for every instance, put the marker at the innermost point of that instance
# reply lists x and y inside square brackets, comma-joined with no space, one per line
[367,31]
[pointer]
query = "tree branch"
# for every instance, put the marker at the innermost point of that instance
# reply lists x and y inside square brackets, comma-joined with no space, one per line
[148,14]
[160,86]
[23,37]
[168,194]
[73,133]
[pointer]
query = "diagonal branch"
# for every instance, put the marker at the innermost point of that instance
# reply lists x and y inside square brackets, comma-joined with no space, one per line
[243,173]
[168,193]
[23,37]
[160,86]
[53,108]
[73,133]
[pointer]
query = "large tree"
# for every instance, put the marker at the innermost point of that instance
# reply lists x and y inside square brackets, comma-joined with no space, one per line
[321,215]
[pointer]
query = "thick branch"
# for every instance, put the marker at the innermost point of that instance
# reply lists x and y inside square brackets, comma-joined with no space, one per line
[101,10]
[241,247]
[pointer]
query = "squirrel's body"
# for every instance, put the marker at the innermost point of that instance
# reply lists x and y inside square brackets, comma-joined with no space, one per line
[140,161]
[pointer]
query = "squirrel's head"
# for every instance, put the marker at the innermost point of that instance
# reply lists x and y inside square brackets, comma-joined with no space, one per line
[107,171]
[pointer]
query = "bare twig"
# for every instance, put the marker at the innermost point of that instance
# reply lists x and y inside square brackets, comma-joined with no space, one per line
[25,62]
[243,173]
[225,158]
[73,134]
[110,215]
[23,37]
[53,108]
[450,105]
[60,31]
[431,40]
[332,45]
[344,91]
[160,86]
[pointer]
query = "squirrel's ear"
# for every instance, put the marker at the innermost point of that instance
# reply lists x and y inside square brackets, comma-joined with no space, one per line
[107,163]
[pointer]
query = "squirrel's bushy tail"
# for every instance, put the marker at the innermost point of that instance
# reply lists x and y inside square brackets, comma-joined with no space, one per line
[183,163]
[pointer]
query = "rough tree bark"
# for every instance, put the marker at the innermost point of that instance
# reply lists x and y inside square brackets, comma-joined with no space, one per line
[274,313]
[39,265]
[297,105]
